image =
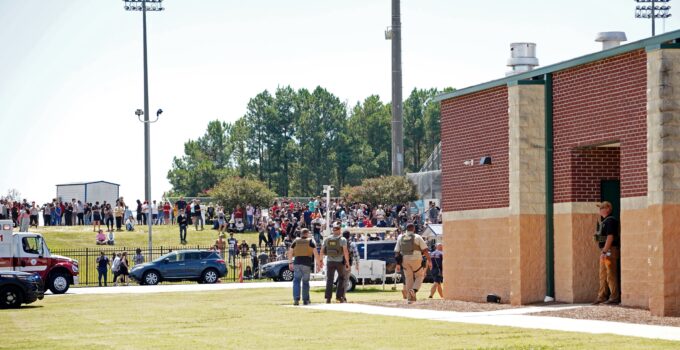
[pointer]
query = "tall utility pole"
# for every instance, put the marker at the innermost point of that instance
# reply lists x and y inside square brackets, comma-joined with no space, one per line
[154,5]
[652,11]
[394,33]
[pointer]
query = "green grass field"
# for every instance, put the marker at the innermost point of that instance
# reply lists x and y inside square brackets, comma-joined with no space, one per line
[75,237]
[260,319]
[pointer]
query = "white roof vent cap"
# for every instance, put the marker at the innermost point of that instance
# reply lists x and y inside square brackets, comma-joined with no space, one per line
[522,58]
[611,39]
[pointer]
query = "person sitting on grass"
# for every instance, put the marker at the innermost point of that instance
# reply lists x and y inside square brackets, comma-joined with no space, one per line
[112,238]
[101,238]
[130,223]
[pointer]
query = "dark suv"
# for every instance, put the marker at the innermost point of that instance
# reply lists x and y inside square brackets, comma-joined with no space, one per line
[18,288]
[197,265]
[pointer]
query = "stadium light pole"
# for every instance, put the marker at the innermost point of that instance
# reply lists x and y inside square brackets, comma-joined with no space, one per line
[144,6]
[393,33]
[652,11]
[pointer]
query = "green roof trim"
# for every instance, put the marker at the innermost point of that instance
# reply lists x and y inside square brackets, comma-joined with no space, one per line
[526,82]
[665,40]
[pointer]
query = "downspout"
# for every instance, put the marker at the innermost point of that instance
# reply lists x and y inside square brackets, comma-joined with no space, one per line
[549,192]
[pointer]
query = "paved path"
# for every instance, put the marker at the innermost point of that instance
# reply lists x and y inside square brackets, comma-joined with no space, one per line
[515,318]
[174,288]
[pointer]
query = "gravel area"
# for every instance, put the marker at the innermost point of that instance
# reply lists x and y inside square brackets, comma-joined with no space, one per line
[445,305]
[613,313]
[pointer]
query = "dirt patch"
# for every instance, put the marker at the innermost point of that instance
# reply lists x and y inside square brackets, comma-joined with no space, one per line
[444,305]
[615,314]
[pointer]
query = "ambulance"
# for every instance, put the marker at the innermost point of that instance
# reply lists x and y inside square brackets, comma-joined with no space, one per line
[28,252]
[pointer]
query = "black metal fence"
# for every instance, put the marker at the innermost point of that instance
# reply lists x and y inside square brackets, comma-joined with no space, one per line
[245,262]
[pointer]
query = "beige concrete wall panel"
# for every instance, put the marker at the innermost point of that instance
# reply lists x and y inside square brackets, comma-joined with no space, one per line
[635,249]
[633,203]
[576,263]
[527,236]
[564,265]
[664,278]
[586,256]
[491,213]
[477,259]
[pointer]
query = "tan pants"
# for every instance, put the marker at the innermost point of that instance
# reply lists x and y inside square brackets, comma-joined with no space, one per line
[609,282]
[413,279]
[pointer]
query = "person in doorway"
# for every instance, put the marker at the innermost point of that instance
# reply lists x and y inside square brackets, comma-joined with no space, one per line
[608,238]
[335,249]
[409,250]
[437,258]
[302,256]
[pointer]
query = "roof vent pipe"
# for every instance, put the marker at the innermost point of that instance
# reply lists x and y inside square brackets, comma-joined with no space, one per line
[610,39]
[522,58]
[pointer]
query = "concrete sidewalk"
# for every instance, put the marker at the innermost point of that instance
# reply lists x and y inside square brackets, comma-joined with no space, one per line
[519,318]
[182,288]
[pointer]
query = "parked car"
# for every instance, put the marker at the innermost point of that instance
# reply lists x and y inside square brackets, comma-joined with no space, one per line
[202,266]
[278,271]
[18,288]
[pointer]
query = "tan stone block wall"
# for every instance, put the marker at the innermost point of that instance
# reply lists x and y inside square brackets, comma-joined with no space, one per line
[526,124]
[663,180]
[576,255]
[527,238]
[476,259]
[635,250]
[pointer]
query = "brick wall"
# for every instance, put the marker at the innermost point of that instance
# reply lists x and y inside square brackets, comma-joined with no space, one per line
[473,126]
[598,103]
[589,167]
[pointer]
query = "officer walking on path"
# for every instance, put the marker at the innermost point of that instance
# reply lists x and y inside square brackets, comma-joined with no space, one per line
[607,238]
[335,249]
[302,255]
[410,249]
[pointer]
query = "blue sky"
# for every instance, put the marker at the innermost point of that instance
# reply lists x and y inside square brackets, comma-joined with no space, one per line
[71,70]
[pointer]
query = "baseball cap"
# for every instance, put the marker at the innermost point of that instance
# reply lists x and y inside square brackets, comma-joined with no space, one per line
[604,204]
[335,225]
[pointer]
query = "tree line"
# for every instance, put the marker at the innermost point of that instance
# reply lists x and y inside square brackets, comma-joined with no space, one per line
[296,141]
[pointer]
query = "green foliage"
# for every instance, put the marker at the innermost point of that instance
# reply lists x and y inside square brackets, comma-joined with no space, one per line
[421,127]
[382,190]
[233,191]
[204,163]
[296,141]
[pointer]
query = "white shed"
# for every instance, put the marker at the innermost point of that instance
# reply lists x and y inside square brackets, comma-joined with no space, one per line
[89,192]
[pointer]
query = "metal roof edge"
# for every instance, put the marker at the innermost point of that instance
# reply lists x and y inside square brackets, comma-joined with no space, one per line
[87,183]
[647,43]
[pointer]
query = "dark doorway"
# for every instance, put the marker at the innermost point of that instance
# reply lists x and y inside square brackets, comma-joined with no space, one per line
[610,191]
